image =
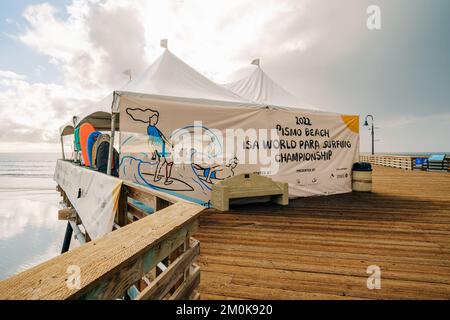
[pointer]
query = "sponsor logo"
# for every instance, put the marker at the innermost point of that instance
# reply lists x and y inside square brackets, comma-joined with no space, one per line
[338,174]
[307,180]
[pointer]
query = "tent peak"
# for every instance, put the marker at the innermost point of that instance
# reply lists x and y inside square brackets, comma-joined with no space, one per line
[256,62]
[259,87]
[164,43]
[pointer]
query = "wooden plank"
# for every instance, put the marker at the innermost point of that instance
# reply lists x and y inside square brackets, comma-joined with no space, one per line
[401,162]
[195,295]
[136,212]
[66,214]
[124,256]
[248,186]
[166,280]
[123,207]
[116,283]
[185,290]
[146,198]
[320,247]
[161,195]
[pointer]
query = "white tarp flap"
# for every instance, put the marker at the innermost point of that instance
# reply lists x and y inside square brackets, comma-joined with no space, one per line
[183,147]
[98,199]
[258,87]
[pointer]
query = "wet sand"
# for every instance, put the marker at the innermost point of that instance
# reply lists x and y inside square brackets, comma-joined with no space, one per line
[30,232]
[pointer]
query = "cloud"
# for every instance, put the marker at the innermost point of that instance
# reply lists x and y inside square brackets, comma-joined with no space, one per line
[16,216]
[89,48]
[319,50]
[34,112]
[97,40]
[6,74]
[408,120]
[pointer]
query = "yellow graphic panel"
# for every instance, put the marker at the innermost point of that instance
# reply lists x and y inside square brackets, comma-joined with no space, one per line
[352,122]
[116,195]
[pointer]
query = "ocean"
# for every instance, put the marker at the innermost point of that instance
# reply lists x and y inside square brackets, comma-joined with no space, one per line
[30,232]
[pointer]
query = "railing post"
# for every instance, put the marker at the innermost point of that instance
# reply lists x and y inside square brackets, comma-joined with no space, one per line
[62,148]
[122,214]
[111,143]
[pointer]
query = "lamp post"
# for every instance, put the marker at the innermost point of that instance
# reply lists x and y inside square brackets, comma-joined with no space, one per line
[366,124]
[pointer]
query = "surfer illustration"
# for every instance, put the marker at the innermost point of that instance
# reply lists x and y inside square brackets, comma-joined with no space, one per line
[217,172]
[158,143]
[212,151]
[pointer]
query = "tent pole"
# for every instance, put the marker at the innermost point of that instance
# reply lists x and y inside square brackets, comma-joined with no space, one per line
[111,143]
[62,148]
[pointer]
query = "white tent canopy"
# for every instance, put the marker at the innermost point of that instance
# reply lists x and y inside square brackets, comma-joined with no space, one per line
[170,76]
[167,76]
[66,129]
[258,87]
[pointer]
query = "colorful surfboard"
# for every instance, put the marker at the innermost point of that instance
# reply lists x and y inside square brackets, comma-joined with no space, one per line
[90,144]
[85,130]
[100,139]
[77,139]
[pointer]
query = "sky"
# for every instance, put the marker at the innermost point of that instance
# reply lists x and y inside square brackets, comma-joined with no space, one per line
[58,57]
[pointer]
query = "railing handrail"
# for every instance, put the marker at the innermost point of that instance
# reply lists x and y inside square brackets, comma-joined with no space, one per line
[110,265]
[402,162]
[387,155]
[162,195]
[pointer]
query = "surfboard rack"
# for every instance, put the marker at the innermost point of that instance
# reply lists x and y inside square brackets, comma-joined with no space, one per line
[248,185]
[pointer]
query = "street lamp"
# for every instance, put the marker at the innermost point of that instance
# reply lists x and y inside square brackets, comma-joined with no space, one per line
[366,124]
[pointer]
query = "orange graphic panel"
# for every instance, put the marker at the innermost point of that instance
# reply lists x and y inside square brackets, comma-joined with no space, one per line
[352,122]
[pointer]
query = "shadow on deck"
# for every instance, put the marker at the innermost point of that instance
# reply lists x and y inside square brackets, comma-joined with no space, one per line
[321,247]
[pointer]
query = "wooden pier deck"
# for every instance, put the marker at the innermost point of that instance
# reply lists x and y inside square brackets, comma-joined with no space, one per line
[320,247]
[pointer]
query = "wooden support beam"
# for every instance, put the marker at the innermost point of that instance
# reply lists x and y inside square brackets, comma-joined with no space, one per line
[123,208]
[136,212]
[166,280]
[136,190]
[67,214]
[185,290]
[146,198]
[116,283]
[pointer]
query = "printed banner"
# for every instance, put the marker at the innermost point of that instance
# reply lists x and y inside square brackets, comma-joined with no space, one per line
[184,147]
[94,195]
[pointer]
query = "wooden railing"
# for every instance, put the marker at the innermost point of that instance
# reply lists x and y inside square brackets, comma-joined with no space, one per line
[403,162]
[131,192]
[108,267]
